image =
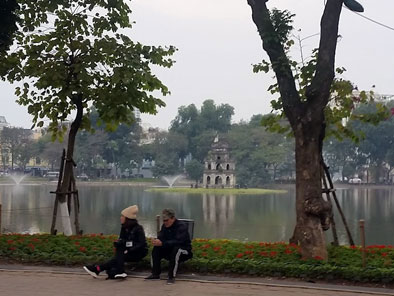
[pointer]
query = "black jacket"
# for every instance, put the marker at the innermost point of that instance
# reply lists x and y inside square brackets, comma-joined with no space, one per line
[177,235]
[133,240]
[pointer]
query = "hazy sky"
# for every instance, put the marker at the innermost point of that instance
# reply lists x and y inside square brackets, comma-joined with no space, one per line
[218,43]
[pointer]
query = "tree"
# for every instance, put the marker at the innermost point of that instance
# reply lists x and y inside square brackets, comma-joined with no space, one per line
[341,157]
[89,147]
[51,150]
[26,150]
[258,153]
[12,141]
[200,126]
[8,19]
[378,141]
[80,60]
[195,170]
[166,165]
[305,111]
[168,150]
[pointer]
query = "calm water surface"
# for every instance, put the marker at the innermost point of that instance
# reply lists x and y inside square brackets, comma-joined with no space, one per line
[28,208]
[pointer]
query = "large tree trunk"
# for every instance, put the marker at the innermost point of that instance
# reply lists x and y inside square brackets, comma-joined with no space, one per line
[312,210]
[69,167]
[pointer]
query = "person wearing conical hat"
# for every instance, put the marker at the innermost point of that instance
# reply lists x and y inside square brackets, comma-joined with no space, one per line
[130,247]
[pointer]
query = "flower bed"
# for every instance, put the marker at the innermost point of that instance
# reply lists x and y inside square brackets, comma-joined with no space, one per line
[217,256]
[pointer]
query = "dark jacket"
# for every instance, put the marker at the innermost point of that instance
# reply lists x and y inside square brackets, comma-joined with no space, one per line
[133,240]
[177,235]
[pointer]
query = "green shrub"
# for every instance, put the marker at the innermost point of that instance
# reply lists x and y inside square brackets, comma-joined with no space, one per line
[215,256]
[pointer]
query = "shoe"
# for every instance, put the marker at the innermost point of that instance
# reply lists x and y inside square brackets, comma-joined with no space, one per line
[121,275]
[92,270]
[170,281]
[153,277]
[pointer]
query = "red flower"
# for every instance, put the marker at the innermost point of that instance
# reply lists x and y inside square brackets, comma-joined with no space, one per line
[248,252]
[82,249]
[76,243]
[217,248]
[273,253]
[10,242]
[288,251]
[264,254]
[12,248]
[204,254]
[318,258]
[384,254]
[240,255]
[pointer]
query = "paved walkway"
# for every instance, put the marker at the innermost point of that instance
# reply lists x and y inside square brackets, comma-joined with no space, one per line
[43,281]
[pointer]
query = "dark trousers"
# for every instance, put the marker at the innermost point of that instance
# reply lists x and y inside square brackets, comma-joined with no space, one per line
[174,255]
[120,258]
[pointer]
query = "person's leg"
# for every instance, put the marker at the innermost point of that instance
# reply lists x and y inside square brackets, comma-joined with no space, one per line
[156,260]
[177,255]
[158,253]
[135,256]
[107,265]
[117,262]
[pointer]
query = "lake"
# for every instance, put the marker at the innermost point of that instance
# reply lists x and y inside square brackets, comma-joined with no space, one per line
[27,208]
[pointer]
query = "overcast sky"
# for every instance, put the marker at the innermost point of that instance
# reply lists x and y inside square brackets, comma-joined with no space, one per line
[218,43]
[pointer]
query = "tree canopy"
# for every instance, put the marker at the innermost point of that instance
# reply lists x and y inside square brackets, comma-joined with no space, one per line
[70,57]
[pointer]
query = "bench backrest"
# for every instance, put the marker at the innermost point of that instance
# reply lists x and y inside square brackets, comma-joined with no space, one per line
[190,226]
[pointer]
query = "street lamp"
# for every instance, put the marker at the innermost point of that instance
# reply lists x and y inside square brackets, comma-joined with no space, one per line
[353,5]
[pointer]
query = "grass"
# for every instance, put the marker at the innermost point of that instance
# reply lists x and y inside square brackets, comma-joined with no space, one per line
[249,191]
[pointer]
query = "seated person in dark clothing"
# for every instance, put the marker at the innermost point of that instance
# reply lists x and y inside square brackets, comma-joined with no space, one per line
[173,243]
[130,247]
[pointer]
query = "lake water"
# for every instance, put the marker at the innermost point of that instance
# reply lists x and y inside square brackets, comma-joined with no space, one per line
[29,207]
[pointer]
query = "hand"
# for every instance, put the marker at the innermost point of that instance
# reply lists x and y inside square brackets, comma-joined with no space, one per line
[156,242]
[119,243]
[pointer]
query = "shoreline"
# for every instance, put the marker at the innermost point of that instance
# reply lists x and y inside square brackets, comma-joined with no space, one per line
[185,185]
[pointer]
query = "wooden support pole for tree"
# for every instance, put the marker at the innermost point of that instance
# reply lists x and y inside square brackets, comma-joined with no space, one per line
[0,218]
[69,197]
[332,220]
[362,235]
[76,206]
[349,235]
[54,216]
[158,224]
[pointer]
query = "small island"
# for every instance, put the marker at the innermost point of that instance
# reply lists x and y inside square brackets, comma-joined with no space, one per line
[236,191]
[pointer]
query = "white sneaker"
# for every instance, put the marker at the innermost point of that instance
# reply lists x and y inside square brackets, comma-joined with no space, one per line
[91,269]
[121,276]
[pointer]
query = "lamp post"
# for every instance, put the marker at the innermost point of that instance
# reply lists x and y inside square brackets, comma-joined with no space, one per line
[353,5]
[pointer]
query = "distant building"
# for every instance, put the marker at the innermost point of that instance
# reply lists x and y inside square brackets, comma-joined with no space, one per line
[137,114]
[3,122]
[219,171]
[149,133]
